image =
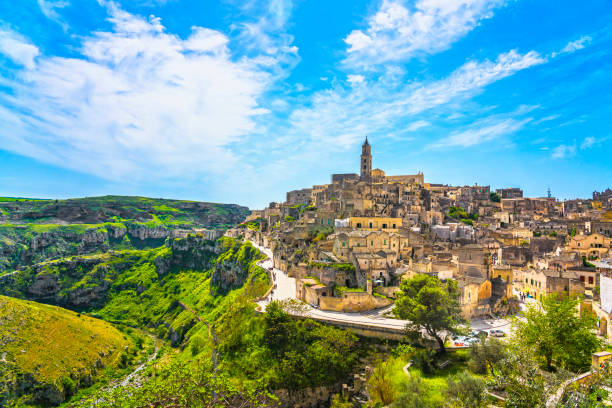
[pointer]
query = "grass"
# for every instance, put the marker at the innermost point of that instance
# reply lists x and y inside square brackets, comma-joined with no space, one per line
[54,344]
[19,199]
[435,383]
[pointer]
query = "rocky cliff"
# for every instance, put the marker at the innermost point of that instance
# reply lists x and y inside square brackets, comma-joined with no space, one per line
[35,231]
[85,282]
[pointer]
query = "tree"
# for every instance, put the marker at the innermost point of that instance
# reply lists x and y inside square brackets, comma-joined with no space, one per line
[519,376]
[278,327]
[381,383]
[466,391]
[495,197]
[558,333]
[430,305]
[483,357]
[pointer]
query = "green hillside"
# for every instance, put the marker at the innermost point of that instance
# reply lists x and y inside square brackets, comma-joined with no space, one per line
[33,231]
[195,295]
[49,352]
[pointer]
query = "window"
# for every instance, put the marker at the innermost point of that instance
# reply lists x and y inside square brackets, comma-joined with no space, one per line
[344,244]
[370,224]
[532,281]
[384,226]
[358,225]
[590,280]
[385,242]
[582,279]
[394,226]
[393,245]
[371,243]
[358,244]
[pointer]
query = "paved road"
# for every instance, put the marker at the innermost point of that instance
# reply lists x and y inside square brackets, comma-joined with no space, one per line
[286,289]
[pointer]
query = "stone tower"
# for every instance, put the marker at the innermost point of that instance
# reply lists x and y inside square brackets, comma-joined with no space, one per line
[366,161]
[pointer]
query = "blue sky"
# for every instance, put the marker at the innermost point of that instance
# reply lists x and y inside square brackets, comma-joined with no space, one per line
[240,101]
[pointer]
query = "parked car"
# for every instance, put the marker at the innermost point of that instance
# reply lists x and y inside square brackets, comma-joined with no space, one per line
[497,333]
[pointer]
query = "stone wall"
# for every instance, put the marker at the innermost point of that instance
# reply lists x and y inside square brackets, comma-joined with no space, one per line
[317,397]
[353,302]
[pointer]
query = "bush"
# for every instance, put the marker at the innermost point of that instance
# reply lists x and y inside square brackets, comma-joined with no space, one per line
[403,351]
[68,386]
[197,344]
[424,360]
[124,359]
[465,390]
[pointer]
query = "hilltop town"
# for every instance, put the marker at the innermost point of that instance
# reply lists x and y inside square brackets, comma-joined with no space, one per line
[349,243]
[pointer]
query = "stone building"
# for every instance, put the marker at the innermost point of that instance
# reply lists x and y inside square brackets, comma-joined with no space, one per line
[513,192]
[592,246]
[366,162]
[540,283]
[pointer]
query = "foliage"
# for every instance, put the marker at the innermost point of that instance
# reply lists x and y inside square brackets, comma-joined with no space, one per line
[429,305]
[459,213]
[495,197]
[558,334]
[56,347]
[573,232]
[484,356]
[289,218]
[380,383]
[403,351]
[340,290]
[414,394]
[342,266]
[183,386]
[519,376]
[586,263]
[424,360]
[466,391]
[340,402]
[308,353]
[553,234]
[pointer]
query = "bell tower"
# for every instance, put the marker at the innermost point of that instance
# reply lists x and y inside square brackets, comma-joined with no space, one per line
[366,161]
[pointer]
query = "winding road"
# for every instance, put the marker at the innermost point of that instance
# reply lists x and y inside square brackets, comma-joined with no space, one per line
[286,289]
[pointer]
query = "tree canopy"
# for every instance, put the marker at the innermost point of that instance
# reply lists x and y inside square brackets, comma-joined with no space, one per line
[431,306]
[558,333]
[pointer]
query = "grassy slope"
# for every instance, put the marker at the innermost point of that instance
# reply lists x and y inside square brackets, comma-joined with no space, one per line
[53,344]
[96,210]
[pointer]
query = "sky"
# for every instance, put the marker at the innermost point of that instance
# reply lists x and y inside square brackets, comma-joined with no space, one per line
[239,101]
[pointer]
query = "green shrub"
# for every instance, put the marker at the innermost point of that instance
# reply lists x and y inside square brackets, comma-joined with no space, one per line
[197,344]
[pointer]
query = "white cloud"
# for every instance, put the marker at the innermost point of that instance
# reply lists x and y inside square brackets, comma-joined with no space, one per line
[355,79]
[398,32]
[417,125]
[482,131]
[574,46]
[470,77]
[562,151]
[340,117]
[17,48]
[588,141]
[138,103]
[48,8]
